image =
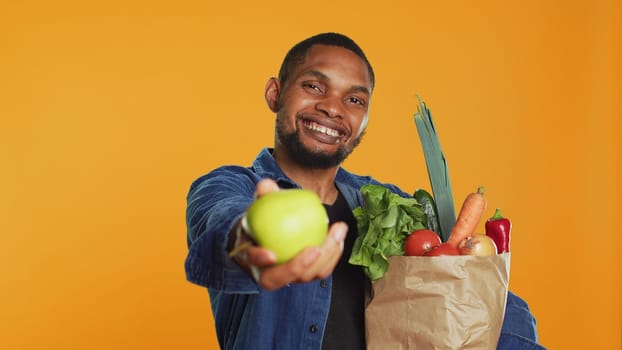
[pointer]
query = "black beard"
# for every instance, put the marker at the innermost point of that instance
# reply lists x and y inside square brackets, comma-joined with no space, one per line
[309,158]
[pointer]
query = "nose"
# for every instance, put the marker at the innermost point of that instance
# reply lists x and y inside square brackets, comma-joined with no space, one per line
[331,106]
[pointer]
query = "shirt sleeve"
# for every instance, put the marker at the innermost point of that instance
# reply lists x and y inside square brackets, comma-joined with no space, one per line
[519,331]
[215,202]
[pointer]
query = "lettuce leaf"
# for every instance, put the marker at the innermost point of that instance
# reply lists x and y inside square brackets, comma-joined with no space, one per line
[383,224]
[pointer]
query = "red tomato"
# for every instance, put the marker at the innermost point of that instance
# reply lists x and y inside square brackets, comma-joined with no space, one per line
[443,249]
[478,244]
[420,241]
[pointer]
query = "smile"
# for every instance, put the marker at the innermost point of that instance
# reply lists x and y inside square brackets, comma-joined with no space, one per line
[320,128]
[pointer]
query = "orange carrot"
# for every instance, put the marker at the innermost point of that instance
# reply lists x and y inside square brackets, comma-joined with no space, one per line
[470,215]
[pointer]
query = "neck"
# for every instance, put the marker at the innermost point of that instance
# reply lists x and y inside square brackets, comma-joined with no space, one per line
[320,181]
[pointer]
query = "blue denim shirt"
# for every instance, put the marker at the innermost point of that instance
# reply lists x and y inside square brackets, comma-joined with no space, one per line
[293,317]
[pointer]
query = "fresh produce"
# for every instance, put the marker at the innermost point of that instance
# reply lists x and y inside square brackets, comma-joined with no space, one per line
[443,249]
[287,221]
[429,208]
[478,245]
[470,215]
[438,172]
[498,228]
[420,242]
[384,222]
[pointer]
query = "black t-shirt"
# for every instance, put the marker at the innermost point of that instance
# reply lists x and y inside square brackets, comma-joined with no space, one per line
[345,328]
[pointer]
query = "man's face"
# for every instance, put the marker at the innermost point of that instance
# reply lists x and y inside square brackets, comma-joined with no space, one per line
[323,106]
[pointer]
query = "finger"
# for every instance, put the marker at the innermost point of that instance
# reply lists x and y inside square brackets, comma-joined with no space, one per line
[309,264]
[331,251]
[277,276]
[323,267]
[334,259]
[330,266]
[266,186]
[260,257]
[338,231]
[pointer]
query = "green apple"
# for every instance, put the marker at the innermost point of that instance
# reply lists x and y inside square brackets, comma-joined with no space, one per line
[287,221]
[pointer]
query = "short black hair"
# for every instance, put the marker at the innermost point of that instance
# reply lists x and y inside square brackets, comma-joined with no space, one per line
[297,53]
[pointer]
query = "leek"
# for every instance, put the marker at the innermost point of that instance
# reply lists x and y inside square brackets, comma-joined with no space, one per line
[437,170]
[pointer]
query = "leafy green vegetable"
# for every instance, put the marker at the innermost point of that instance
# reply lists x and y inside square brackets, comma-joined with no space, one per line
[438,172]
[383,224]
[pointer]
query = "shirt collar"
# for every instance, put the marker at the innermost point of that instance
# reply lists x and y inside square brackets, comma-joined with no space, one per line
[266,167]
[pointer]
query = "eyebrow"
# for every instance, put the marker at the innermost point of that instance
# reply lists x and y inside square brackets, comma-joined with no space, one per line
[322,76]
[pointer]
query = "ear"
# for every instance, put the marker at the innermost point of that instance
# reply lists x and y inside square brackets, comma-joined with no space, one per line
[272,94]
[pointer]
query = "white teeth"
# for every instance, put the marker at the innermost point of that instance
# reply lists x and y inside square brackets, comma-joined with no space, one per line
[323,129]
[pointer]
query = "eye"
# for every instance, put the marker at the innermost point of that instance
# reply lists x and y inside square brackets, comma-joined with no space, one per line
[313,87]
[357,101]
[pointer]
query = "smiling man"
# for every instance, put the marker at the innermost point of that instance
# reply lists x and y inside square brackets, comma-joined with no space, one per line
[321,106]
[317,299]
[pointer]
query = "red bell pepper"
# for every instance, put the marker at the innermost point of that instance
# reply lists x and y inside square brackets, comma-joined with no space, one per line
[498,228]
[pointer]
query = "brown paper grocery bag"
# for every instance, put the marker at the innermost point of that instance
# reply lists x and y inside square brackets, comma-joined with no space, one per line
[446,302]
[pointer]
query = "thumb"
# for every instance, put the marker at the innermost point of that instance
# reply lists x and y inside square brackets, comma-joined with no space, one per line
[338,231]
[265,186]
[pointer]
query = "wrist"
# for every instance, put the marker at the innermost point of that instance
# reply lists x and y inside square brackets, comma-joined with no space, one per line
[239,239]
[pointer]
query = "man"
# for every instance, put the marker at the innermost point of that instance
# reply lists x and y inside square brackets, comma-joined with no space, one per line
[316,300]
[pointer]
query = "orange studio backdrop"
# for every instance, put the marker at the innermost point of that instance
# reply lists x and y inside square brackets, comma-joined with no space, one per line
[111,109]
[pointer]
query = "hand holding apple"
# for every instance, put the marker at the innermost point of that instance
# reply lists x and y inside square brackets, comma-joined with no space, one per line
[312,262]
[286,222]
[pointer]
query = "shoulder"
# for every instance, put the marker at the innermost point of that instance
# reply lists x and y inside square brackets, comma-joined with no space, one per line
[227,176]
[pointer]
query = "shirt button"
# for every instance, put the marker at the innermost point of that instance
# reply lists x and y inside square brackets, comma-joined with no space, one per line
[313,328]
[324,283]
